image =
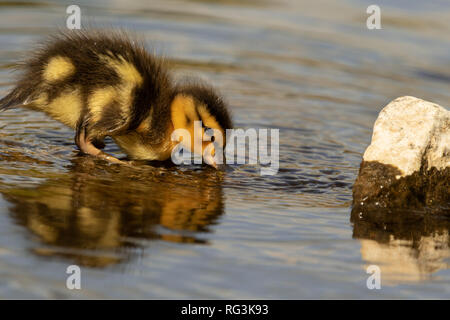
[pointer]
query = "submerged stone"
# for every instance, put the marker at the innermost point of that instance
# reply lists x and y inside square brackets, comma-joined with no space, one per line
[407,164]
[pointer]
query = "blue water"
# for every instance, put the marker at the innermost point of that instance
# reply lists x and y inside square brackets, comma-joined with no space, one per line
[311,69]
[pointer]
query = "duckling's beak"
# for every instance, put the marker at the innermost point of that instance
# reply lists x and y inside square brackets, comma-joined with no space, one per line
[209,159]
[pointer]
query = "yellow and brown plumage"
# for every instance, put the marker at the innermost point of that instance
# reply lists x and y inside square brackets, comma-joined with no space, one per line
[109,85]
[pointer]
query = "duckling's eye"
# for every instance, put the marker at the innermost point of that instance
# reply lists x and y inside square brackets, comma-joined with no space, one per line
[212,137]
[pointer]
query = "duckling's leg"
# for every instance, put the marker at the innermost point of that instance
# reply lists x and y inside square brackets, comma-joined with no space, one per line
[87,146]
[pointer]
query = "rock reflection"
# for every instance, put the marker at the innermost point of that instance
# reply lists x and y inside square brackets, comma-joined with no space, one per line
[97,215]
[408,246]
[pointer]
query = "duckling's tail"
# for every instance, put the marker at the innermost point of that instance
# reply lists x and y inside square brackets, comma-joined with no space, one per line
[11,100]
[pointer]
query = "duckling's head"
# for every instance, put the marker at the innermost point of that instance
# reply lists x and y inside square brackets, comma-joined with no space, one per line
[199,110]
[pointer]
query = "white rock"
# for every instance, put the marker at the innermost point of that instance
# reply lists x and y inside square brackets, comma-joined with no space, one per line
[408,131]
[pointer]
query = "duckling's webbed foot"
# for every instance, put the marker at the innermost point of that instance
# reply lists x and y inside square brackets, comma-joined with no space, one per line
[88,146]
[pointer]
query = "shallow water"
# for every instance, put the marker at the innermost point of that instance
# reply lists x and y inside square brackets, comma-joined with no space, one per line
[311,69]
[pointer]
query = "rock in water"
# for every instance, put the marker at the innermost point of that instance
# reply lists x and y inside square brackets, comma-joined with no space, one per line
[409,133]
[407,164]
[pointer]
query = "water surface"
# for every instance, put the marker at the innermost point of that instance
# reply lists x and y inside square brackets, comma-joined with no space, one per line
[311,69]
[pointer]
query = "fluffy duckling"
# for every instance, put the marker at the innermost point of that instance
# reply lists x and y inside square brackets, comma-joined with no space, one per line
[109,85]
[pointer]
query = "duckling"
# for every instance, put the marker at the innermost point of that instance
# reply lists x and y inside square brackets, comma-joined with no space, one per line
[104,85]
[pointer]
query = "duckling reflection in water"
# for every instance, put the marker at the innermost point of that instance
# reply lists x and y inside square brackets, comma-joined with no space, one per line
[87,216]
[108,85]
